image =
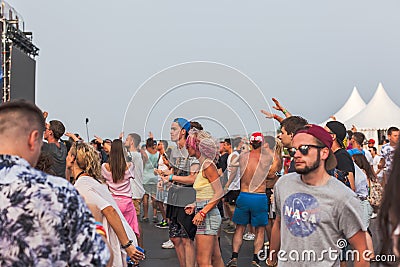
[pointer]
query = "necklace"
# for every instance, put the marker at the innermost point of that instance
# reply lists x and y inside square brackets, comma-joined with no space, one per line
[79,175]
[84,173]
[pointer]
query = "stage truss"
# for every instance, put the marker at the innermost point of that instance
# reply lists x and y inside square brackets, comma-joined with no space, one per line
[12,35]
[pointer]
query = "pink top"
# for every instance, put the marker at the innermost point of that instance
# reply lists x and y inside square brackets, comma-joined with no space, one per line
[122,188]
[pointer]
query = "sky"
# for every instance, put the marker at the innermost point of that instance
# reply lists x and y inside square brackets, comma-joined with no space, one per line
[97,57]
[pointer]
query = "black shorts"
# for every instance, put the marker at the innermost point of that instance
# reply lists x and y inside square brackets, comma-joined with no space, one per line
[231,197]
[182,225]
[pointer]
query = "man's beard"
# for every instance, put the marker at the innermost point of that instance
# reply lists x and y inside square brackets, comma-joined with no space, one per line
[308,169]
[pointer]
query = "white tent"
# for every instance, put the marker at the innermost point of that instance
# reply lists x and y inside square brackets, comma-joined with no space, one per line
[380,113]
[353,105]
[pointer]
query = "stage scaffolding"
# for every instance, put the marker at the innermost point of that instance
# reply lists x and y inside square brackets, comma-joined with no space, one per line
[13,35]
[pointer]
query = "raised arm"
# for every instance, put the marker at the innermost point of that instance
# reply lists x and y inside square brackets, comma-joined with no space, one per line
[279,107]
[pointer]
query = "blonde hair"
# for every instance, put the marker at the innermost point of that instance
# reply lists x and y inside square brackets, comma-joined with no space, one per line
[279,147]
[279,152]
[87,159]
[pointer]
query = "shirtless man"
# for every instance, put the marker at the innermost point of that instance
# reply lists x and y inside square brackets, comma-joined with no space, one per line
[252,203]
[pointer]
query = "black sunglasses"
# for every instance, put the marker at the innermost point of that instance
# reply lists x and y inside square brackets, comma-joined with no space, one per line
[303,149]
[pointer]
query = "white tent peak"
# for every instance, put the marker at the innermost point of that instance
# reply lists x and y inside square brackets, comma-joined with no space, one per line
[380,113]
[353,105]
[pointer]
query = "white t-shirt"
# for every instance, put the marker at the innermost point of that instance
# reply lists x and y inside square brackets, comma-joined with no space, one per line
[137,183]
[368,156]
[361,182]
[98,194]
[375,163]
[235,185]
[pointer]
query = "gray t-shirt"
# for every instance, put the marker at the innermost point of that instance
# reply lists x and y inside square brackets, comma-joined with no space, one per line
[58,155]
[180,195]
[181,161]
[137,183]
[315,220]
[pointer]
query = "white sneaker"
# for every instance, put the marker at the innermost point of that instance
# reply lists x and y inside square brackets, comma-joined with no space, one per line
[168,244]
[249,236]
[374,215]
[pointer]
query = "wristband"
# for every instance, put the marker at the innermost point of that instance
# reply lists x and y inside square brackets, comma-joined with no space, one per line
[127,244]
[100,229]
[101,232]
[284,111]
[170,177]
[202,214]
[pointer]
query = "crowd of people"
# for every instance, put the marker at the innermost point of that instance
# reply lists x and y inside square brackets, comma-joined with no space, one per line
[72,203]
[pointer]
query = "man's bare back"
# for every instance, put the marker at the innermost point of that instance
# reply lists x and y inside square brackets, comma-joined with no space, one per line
[254,167]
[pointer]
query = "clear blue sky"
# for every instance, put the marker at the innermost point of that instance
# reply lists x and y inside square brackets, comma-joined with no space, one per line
[309,54]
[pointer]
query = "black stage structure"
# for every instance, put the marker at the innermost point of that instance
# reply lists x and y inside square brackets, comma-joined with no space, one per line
[18,65]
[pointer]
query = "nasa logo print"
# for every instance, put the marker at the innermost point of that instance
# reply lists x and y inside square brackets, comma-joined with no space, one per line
[301,214]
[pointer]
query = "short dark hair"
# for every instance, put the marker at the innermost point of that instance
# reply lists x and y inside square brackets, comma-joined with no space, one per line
[374,149]
[165,144]
[196,124]
[392,129]
[270,140]
[349,134]
[150,142]
[359,137]
[58,128]
[21,109]
[136,139]
[293,123]
[236,141]
[228,140]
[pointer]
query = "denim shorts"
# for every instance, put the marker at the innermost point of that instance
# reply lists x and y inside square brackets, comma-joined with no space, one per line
[211,223]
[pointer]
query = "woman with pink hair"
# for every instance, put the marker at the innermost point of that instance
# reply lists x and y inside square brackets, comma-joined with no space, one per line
[209,190]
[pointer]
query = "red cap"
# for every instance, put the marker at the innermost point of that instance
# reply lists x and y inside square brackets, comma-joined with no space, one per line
[256,137]
[371,141]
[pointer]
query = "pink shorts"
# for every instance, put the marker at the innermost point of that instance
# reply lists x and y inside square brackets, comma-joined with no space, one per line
[128,210]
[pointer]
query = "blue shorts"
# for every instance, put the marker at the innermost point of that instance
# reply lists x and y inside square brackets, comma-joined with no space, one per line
[251,208]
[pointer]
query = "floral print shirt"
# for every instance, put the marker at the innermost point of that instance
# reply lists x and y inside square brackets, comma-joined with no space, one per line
[387,152]
[44,221]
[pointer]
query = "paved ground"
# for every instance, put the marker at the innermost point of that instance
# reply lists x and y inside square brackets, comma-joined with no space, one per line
[156,256]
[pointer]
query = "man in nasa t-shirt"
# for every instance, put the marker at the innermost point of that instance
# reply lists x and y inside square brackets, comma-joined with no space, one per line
[315,211]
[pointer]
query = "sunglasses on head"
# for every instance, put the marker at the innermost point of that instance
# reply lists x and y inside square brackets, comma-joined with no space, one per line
[303,149]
